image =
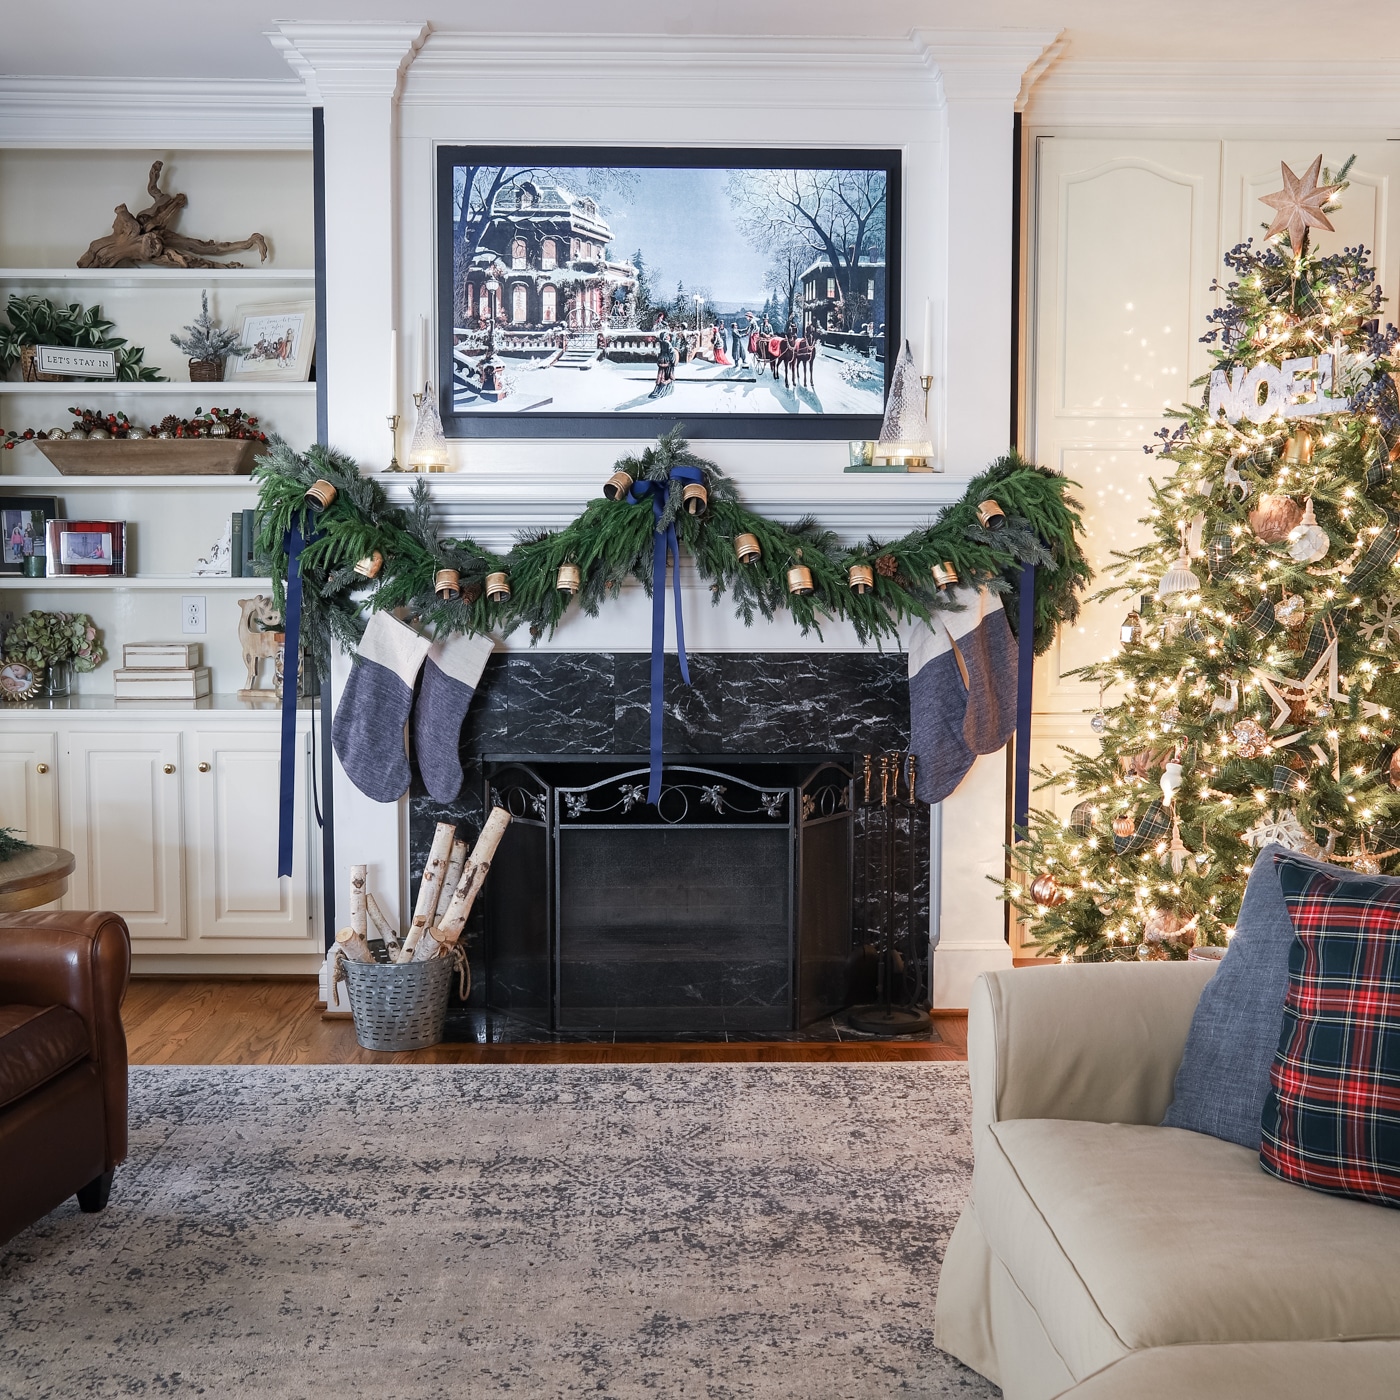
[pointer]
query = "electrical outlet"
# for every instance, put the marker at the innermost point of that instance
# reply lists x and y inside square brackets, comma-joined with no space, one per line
[192,613]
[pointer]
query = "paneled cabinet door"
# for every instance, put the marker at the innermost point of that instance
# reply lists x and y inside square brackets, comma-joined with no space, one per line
[235,891]
[29,784]
[122,819]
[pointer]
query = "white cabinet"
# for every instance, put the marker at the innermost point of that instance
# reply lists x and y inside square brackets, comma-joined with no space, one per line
[123,819]
[235,892]
[29,784]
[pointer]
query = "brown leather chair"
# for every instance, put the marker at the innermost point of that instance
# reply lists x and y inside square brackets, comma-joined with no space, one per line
[62,1061]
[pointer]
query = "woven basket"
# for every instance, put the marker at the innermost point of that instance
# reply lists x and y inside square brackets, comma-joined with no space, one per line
[399,1006]
[206,371]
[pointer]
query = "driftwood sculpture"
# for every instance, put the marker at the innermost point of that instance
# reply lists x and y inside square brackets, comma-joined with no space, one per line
[147,237]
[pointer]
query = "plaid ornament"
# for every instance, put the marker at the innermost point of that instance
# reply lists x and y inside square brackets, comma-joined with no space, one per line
[1380,555]
[1152,825]
[1332,1116]
[1322,635]
[1262,620]
[1220,552]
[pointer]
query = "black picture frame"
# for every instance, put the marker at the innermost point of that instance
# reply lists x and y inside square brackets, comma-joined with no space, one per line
[9,507]
[542,423]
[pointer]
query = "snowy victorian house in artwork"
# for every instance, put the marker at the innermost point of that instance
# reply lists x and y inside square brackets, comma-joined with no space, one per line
[543,260]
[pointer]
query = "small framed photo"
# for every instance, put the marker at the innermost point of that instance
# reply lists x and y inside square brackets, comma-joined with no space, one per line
[86,547]
[281,341]
[22,539]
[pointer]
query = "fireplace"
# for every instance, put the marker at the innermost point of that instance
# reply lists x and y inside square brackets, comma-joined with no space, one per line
[753,723]
[725,908]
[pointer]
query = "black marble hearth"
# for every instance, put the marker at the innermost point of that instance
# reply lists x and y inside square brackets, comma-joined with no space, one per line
[582,703]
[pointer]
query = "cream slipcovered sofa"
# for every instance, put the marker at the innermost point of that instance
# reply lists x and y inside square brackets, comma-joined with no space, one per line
[1103,1256]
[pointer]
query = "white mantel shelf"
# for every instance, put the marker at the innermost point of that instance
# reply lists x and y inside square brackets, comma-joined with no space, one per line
[211,481]
[147,277]
[494,505]
[157,388]
[226,707]
[196,583]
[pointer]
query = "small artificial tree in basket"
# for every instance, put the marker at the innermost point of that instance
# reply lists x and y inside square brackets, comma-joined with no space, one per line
[207,345]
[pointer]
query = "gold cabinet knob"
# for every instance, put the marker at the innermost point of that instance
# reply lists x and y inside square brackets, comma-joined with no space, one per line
[169,767]
[203,767]
[41,767]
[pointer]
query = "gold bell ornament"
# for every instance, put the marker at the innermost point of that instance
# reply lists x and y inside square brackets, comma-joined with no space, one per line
[321,493]
[695,498]
[616,487]
[1298,450]
[990,515]
[370,566]
[944,574]
[497,587]
[447,584]
[1308,541]
[747,548]
[569,579]
[861,578]
[799,581]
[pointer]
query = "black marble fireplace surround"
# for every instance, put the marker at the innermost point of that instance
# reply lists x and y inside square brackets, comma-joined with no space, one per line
[573,704]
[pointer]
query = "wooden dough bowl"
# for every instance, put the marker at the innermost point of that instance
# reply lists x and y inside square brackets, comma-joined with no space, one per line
[153,456]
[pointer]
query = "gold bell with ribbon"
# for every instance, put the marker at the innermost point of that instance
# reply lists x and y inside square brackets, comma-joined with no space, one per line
[569,579]
[497,587]
[860,578]
[1298,450]
[748,549]
[370,565]
[944,574]
[321,493]
[990,515]
[695,498]
[447,584]
[616,487]
[799,581]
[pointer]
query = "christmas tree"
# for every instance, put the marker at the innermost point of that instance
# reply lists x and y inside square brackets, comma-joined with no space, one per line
[1255,695]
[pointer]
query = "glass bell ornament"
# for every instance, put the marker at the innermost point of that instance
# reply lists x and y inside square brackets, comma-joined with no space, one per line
[428,451]
[1308,541]
[1179,578]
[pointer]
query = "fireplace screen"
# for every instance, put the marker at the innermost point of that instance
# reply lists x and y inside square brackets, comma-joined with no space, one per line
[725,908]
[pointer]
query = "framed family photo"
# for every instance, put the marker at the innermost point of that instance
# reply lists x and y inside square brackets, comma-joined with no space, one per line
[22,525]
[281,341]
[612,291]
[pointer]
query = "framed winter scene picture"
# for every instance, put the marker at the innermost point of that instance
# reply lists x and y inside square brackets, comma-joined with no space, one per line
[613,291]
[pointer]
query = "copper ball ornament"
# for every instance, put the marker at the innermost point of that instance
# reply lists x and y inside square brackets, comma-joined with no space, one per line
[1045,891]
[1274,517]
[1124,826]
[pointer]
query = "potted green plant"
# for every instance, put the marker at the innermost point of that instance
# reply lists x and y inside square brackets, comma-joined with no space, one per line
[59,642]
[207,345]
[35,321]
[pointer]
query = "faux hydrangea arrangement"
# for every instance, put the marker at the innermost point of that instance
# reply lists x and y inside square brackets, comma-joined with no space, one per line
[41,638]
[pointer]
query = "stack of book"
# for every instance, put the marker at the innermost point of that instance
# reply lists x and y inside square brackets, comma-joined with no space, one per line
[161,671]
[244,559]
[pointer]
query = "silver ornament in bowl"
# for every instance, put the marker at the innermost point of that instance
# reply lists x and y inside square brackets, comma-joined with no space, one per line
[135,434]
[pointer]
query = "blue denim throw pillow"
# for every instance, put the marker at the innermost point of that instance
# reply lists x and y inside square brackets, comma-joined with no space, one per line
[1224,1074]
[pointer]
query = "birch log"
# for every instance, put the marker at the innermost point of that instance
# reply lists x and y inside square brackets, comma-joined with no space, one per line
[353,945]
[359,921]
[433,872]
[449,882]
[382,927]
[472,878]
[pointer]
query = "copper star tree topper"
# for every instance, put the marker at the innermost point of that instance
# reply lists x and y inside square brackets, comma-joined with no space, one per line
[1298,205]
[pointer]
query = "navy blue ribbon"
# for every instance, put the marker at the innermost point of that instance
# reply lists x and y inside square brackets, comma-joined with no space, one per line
[1025,668]
[666,544]
[291,657]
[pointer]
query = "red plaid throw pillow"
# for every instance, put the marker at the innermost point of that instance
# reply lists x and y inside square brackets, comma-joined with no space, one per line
[1332,1117]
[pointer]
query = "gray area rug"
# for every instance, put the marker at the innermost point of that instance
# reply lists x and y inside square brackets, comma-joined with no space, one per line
[711,1231]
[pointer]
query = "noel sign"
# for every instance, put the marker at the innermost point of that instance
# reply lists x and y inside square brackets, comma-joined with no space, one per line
[1238,395]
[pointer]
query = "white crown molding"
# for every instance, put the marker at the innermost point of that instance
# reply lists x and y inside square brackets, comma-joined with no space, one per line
[153,113]
[343,59]
[1209,94]
[991,65]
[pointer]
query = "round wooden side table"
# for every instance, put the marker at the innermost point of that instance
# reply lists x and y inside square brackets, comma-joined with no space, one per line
[34,877]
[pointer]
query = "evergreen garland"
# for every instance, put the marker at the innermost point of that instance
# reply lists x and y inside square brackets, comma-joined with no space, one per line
[11,843]
[612,541]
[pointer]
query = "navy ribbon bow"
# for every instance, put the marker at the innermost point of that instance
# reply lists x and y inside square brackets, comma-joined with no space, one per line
[291,658]
[666,545]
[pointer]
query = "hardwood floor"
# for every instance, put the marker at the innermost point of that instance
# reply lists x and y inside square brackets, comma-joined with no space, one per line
[199,1021]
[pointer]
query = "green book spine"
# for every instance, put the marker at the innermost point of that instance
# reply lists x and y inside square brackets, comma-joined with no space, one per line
[251,567]
[236,545]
